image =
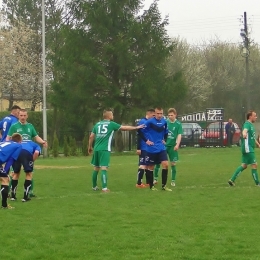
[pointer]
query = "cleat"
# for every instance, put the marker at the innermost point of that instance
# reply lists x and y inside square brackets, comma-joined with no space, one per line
[8,207]
[231,183]
[153,189]
[173,183]
[105,190]
[31,195]
[95,188]
[26,200]
[140,186]
[147,184]
[155,182]
[258,185]
[13,199]
[166,189]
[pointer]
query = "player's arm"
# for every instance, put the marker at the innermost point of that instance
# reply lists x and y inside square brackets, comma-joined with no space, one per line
[90,142]
[244,133]
[130,128]
[39,140]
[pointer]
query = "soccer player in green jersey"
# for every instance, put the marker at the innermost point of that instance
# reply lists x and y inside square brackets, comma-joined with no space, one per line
[248,149]
[101,135]
[172,144]
[28,132]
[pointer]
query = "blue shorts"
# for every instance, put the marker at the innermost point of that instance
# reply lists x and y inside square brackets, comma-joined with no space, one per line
[25,159]
[2,172]
[143,158]
[156,158]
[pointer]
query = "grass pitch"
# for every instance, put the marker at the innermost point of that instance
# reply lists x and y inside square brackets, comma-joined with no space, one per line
[202,218]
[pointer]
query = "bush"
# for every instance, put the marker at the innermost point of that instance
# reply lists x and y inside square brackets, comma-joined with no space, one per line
[73,146]
[85,144]
[55,146]
[66,148]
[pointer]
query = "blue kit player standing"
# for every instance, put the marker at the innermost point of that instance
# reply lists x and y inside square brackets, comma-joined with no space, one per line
[7,121]
[9,152]
[30,152]
[141,150]
[155,134]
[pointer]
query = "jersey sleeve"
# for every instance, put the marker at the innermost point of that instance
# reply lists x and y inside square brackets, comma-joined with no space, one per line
[115,126]
[34,133]
[180,131]
[94,129]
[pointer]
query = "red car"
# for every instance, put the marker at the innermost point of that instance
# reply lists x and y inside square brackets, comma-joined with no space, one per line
[212,136]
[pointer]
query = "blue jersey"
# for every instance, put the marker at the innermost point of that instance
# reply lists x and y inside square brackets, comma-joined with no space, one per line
[5,124]
[31,147]
[8,150]
[141,145]
[156,131]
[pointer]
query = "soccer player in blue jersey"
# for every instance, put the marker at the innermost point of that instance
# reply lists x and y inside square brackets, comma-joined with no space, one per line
[30,152]
[155,134]
[141,150]
[9,152]
[7,121]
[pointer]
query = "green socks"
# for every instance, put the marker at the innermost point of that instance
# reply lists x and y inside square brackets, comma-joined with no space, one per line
[10,183]
[104,179]
[236,173]
[31,188]
[255,176]
[173,167]
[94,178]
[156,171]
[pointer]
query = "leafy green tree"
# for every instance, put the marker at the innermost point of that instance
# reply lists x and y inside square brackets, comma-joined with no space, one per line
[55,146]
[114,55]
[73,146]
[85,144]
[66,148]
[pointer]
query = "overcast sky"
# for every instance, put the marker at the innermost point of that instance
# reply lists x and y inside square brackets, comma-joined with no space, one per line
[197,20]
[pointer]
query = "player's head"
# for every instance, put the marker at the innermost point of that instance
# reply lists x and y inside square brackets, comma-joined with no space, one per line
[23,115]
[108,114]
[16,138]
[251,116]
[15,110]
[172,113]
[158,113]
[150,113]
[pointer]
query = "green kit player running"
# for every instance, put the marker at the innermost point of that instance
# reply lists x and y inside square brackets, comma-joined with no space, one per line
[28,132]
[248,147]
[101,135]
[172,144]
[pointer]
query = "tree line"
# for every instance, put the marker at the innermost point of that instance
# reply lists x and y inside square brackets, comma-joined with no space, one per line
[110,53]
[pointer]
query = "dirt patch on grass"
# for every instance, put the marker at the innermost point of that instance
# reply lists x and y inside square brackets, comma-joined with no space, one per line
[57,167]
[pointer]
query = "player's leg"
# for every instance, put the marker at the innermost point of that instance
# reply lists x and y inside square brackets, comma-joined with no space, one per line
[104,160]
[156,172]
[4,188]
[27,162]
[150,157]
[11,174]
[164,162]
[173,158]
[31,191]
[141,169]
[254,168]
[95,163]
[243,166]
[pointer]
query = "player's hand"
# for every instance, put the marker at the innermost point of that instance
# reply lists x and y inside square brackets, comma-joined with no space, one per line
[148,142]
[140,126]
[45,144]
[138,152]
[176,147]
[90,150]
[163,142]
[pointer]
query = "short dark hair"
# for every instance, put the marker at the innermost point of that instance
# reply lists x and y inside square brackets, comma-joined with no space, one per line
[15,107]
[23,110]
[159,108]
[152,110]
[249,113]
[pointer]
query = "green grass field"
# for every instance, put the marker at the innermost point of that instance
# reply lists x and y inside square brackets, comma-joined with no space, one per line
[202,218]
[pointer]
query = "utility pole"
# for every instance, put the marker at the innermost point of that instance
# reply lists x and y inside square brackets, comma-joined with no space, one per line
[246,46]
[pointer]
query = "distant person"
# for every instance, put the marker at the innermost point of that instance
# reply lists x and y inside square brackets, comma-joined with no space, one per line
[101,135]
[230,130]
[248,149]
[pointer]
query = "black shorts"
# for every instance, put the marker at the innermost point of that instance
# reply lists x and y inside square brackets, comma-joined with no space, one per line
[156,158]
[25,159]
[143,158]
